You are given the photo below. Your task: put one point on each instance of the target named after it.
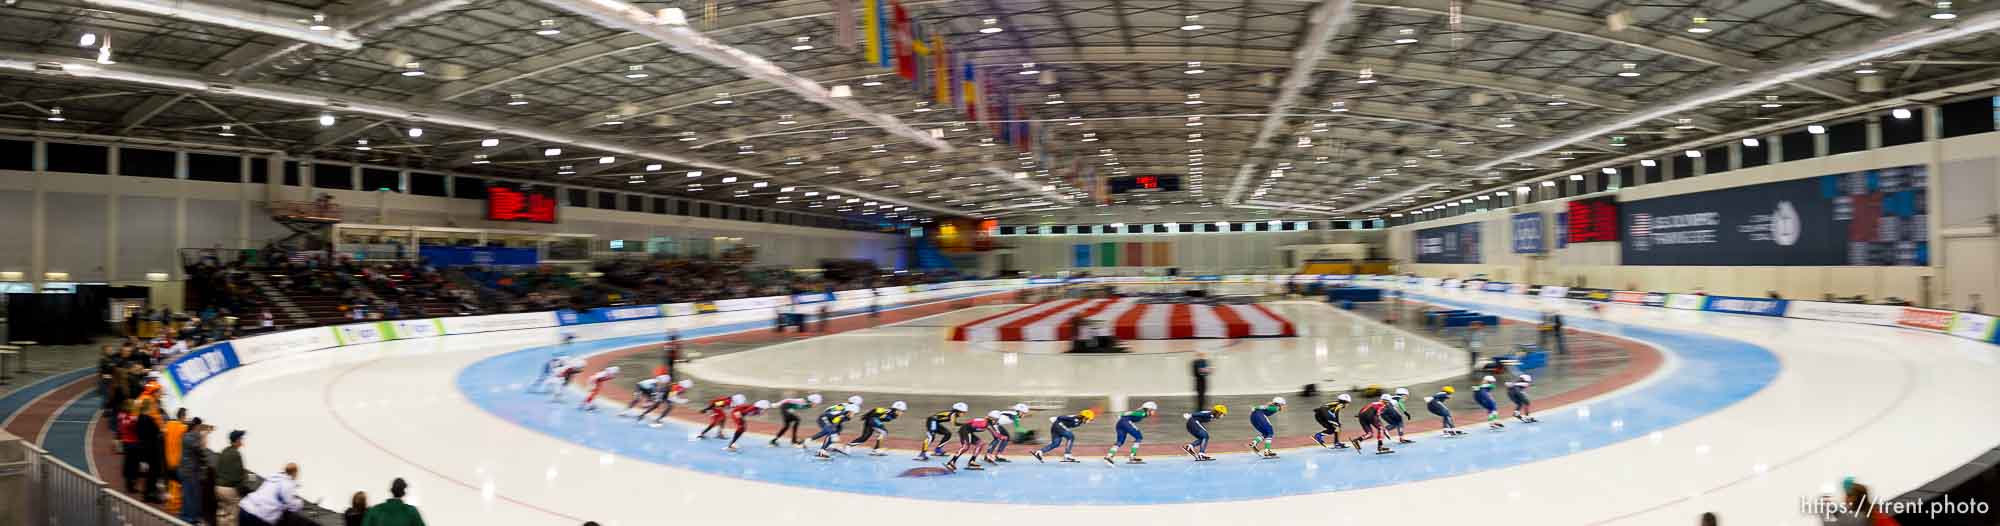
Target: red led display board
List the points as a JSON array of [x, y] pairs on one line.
[[1593, 220], [525, 203]]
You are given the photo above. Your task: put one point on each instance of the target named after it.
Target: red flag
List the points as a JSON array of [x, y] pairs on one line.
[[906, 58]]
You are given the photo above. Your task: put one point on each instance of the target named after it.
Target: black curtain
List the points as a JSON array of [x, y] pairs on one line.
[[52, 319]]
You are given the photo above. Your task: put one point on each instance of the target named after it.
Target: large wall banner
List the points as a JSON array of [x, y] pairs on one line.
[[1528, 233], [1873, 217], [1449, 244]]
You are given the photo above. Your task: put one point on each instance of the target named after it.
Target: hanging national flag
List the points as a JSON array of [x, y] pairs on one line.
[[871, 29], [920, 42], [1005, 112], [968, 79], [906, 60], [940, 71], [844, 34]]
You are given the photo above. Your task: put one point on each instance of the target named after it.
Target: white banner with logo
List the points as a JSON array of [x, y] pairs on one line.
[[361, 333], [678, 309], [1845, 312], [1975, 326], [1686, 301], [431, 328], [499, 322], [1552, 291], [260, 348]]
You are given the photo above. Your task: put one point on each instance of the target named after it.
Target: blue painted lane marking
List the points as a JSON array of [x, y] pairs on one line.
[[1713, 373]]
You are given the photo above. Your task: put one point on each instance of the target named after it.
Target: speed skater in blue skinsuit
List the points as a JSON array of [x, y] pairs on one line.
[[1260, 420], [1060, 435], [1197, 425], [1128, 426]]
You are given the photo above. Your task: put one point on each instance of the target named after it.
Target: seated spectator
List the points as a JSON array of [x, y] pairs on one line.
[[276, 502]]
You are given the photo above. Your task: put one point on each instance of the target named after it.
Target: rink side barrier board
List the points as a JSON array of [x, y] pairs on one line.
[[189, 371]]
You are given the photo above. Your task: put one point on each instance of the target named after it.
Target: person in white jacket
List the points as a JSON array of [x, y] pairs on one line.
[[278, 496]]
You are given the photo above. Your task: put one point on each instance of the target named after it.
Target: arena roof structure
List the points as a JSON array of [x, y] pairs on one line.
[[1331, 108]]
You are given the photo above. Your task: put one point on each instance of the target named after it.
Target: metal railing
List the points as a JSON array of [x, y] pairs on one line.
[[61, 495]]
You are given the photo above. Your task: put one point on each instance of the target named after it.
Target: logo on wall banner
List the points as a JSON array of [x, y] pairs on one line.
[[1686, 301], [1845, 312], [1551, 291], [196, 367], [1528, 238], [1974, 326], [1734, 305]]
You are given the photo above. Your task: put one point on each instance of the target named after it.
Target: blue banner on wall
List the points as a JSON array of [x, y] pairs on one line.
[[193, 368], [1528, 235], [608, 314], [1449, 244], [1757, 306], [1562, 229], [1873, 217], [1082, 256], [463, 256]]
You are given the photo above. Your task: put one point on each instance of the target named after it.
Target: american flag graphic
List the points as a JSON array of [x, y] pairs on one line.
[[1642, 231]]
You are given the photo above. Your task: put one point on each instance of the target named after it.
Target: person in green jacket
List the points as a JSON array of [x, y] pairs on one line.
[[394, 512]]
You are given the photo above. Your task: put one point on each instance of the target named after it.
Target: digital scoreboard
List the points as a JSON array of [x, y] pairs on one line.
[[1592, 220], [520, 202], [1145, 183]]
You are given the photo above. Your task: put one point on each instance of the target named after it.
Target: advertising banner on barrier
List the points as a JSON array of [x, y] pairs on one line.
[[407, 329], [1974, 326], [608, 314], [1926, 319], [766, 302], [1495, 286], [1872, 217], [1552, 291], [816, 297], [1518, 288], [1757, 306], [259, 348], [1686, 301], [678, 309], [1845, 312], [1528, 233], [499, 322], [193, 368], [1049, 281], [1627, 296], [1449, 244], [360, 333], [1451, 283]]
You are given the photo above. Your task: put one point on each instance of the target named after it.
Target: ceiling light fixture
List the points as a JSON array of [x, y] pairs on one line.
[[1409, 36], [1751, 142], [636, 71], [722, 99], [1865, 69], [1943, 11], [1194, 68], [88, 39], [362, 144], [1366, 76], [551, 152], [1649, 163], [803, 44], [415, 132], [226, 132], [325, 119], [1815, 129], [1692, 154], [488, 143], [1901, 113], [1628, 70], [1699, 26], [548, 28], [1192, 23], [990, 26], [413, 69], [517, 99], [319, 23]]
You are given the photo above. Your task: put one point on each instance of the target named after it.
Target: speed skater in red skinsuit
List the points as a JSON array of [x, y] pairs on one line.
[[718, 410], [597, 382], [740, 413]]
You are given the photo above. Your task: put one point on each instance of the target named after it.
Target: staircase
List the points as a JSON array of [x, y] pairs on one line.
[[288, 314]]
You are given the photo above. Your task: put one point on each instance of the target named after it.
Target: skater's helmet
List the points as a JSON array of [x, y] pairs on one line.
[[1087, 415], [1489, 379], [1020, 408], [1345, 398], [899, 406], [854, 400], [738, 399], [762, 404], [611, 370], [1220, 409], [1402, 392], [1526, 378], [1386, 398], [960, 407], [1150, 406], [813, 399], [685, 384], [1278, 400], [1450, 390]]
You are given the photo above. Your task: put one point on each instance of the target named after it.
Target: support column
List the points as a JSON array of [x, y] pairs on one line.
[[112, 165], [181, 164], [38, 225]]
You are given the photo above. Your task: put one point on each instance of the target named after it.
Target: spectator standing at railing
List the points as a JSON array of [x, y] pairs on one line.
[[230, 480], [394, 512], [357, 510], [275, 501], [193, 465], [173, 432]]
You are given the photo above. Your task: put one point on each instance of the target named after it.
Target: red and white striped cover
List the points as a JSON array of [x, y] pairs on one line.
[[1129, 320]]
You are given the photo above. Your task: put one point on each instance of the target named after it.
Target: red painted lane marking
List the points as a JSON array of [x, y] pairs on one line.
[[1233, 325], [1289, 329]]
